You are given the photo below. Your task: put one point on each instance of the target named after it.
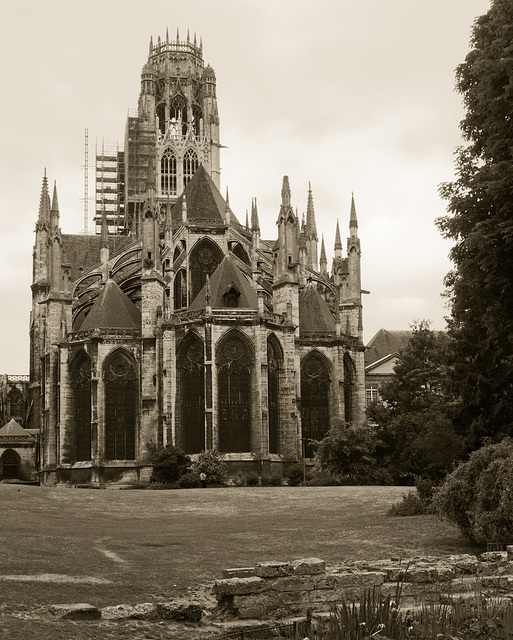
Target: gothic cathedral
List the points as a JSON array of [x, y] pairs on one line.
[[177, 323]]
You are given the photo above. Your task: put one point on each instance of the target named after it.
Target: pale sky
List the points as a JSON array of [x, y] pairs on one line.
[[350, 96]]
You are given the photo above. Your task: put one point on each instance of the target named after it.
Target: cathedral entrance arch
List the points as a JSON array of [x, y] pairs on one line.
[[234, 360], [191, 384], [205, 258], [315, 401], [10, 465], [121, 400], [81, 407]]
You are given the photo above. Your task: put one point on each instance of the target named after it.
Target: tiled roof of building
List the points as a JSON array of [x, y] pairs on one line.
[[82, 252], [227, 277], [14, 430], [113, 309], [203, 200], [314, 313], [385, 343]]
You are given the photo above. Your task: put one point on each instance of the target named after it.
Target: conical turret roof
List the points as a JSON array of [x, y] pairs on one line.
[[314, 313], [113, 309]]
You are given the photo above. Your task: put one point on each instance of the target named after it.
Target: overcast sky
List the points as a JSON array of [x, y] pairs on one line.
[[351, 96]]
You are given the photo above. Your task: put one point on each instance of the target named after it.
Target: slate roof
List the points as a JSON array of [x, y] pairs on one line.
[[82, 252], [14, 430], [314, 313], [386, 343], [204, 202], [226, 276], [112, 309]]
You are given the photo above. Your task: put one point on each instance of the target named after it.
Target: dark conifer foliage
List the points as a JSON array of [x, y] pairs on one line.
[[480, 222]]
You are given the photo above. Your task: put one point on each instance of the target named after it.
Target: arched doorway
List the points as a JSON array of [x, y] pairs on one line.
[[234, 361], [191, 373], [315, 402], [11, 467]]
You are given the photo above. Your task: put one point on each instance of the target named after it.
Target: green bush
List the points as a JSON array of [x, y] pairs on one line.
[[320, 478], [169, 464], [190, 480], [478, 495], [295, 475], [410, 505], [252, 479], [272, 480], [211, 464]]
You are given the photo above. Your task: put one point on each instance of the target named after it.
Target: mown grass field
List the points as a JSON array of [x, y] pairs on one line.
[[110, 547]]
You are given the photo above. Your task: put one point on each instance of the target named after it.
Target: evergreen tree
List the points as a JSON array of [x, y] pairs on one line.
[[480, 222]]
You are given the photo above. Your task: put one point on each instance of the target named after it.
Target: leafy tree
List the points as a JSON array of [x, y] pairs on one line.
[[347, 451], [415, 429], [212, 465], [169, 464], [480, 222], [478, 495]]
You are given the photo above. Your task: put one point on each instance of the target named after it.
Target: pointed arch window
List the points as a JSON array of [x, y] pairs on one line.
[[121, 397], [191, 372], [349, 377], [273, 379], [15, 404], [234, 394], [168, 175], [81, 408], [190, 164], [315, 412], [205, 258], [180, 290]]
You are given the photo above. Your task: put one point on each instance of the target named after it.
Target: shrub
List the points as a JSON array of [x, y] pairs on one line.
[[169, 464], [211, 464], [190, 480], [320, 478], [252, 479], [411, 505], [274, 480], [295, 475], [478, 495]]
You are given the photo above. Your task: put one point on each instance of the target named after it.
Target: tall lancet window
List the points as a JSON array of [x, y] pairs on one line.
[[234, 393], [191, 376], [81, 407], [190, 164], [273, 388], [168, 178], [120, 381], [315, 402]]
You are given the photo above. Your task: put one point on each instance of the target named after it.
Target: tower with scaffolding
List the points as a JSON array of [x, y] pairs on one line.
[[110, 188]]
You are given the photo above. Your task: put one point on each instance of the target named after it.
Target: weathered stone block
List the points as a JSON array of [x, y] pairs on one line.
[[464, 563], [77, 611], [494, 556], [292, 583], [240, 586], [239, 572], [358, 579], [256, 605], [143, 611], [179, 610], [308, 566], [273, 569], [324, 582]]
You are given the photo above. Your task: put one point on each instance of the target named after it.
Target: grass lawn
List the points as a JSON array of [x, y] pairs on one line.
[[111, 547]]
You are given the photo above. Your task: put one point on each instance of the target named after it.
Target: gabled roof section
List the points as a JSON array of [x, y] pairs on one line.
[[225, 279], [14, 430], [386, 343], [113, 309], [204, 202], [314, 313]]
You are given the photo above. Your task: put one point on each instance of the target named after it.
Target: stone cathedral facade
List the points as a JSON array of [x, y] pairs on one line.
[[188, 328]]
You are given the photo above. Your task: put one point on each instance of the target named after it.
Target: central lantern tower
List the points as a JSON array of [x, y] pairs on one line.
[[176, 128]]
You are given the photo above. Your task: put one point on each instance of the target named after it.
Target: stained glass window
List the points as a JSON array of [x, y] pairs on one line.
[[121, 398], [315, 407]]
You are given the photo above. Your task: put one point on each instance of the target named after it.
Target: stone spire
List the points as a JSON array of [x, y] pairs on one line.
[[323, 262], [255, 224], [44, 204], [338, 243], [54, 211]]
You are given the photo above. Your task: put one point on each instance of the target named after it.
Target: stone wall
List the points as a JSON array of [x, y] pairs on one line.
[[279, 589]]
